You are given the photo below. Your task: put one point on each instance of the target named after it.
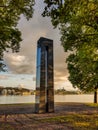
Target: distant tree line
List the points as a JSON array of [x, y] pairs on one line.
[[64, 92], [15, 91]]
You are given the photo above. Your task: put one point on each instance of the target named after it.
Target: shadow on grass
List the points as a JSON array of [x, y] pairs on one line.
[[67, 116]]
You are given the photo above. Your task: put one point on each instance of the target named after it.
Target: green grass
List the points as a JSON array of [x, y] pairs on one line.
[[72, 121], [76, 121], [6, 127], [92, 104]]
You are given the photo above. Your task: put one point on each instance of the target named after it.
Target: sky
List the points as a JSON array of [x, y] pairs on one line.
[[22, 66]]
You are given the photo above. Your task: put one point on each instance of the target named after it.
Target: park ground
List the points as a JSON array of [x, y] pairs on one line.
[[67, 116]]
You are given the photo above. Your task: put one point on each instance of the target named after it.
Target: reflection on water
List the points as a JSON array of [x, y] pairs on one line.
[[17, 99], [58, 98], [83, 98]]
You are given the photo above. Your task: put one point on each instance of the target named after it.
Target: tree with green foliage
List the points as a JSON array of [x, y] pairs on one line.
[[78, 23], [83, 69], [10, 13]]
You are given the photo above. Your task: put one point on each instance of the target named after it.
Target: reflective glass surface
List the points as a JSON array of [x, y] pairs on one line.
[[38, 67], [38, 56]]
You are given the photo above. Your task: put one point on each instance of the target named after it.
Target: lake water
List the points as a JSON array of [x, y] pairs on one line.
[[83, 98]]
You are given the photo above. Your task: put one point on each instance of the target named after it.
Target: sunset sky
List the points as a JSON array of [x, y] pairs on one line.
[[22, 66]]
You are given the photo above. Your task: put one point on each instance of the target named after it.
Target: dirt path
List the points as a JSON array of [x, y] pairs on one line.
[[33, 121]]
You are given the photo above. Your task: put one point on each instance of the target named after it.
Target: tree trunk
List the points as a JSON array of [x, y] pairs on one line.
[[95, 95]]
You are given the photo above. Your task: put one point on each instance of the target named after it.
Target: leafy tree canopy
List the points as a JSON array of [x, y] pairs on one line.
[[83, 68], [10, 12], [78, 23]]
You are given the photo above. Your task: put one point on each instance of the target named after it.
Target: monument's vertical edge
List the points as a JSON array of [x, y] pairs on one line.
[[44, 76]]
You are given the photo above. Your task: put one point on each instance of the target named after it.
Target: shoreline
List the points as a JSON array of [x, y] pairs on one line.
[[29, 108]]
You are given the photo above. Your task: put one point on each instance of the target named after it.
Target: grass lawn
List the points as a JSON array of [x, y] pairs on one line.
[[92, 104], [76, 121], [68, 117]]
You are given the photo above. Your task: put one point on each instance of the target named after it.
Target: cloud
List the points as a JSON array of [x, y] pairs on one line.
[[19, 63], [24, 62], [17, 60]]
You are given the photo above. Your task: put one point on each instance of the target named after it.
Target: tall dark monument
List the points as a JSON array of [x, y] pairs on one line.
[[44, 77]]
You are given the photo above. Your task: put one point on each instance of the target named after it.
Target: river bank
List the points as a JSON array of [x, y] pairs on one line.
[[67, 116]]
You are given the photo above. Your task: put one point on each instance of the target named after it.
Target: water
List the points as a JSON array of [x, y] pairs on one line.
[[83, 98], [17, 99]]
